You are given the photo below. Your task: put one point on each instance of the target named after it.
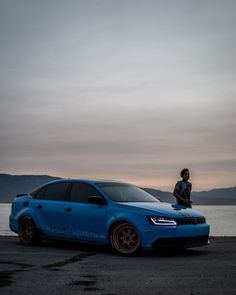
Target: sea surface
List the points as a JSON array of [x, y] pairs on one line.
[[222, 219]]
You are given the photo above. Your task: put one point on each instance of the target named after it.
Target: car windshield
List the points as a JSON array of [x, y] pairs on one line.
[[120, 192]]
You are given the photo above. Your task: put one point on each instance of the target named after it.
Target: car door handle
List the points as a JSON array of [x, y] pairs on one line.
[[68, 209], [39, 207]]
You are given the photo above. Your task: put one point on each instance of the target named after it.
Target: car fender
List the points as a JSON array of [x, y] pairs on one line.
[[123, 217]]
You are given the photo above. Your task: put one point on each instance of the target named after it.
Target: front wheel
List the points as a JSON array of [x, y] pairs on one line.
[[125, 239], [28, 233]]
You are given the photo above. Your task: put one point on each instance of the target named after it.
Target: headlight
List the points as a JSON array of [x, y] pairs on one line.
[[161, 221]]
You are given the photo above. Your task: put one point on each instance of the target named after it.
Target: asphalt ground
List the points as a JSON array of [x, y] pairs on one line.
[[72, 268]]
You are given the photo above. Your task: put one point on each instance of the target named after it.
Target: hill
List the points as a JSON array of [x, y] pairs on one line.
[[223, 196], [15, 184]]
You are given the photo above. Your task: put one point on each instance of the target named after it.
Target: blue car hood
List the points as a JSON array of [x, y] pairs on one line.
[[164, 209]]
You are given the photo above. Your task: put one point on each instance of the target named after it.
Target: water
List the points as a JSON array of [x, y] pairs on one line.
[[222, 219], [4, 220]]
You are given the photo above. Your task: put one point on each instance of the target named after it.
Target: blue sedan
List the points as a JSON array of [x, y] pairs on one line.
[[107, 212]]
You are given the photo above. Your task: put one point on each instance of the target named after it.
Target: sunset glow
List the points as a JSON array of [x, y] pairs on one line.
[[128, 90]]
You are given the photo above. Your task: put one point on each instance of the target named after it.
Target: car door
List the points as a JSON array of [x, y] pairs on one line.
[[87, 220], [50, 210]]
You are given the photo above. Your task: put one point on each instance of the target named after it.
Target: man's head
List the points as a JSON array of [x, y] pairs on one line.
[[185, 174]]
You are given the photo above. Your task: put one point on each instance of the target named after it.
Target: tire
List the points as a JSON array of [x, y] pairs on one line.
[[28, 233], [125, 239]]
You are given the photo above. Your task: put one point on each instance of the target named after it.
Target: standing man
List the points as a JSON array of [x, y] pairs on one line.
[[183, 188]]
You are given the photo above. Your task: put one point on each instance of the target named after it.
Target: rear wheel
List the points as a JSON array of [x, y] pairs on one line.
[[28, 233], [125, 239]]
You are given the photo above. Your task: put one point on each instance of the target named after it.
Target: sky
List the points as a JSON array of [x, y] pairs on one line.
[[112, 89]]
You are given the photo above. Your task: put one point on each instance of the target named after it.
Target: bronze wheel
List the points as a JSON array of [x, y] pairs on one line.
[[125, 238], [28, 233]]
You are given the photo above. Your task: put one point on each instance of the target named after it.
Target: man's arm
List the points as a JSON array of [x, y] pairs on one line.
[[177, 194]]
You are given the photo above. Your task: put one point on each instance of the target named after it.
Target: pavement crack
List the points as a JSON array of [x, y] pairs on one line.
[[22, 265], [82, 283], [73, 259]]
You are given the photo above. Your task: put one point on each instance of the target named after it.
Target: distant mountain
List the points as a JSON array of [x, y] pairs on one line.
[[10, 185], [223, 196]]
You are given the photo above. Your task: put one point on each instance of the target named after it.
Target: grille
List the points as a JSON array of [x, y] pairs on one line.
[[190, 220]]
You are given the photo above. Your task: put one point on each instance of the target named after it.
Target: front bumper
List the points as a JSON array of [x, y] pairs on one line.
[[181, 242], [185, 235]]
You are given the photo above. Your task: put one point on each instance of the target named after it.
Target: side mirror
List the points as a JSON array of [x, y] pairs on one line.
[[97, 200]]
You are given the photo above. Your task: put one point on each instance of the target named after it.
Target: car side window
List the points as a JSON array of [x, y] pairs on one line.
[[39, 194], [56, 191], [81, 191]]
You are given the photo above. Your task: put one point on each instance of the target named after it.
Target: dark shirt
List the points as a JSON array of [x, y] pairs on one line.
[[184, 188]]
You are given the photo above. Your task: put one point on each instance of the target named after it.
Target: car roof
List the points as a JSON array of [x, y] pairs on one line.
[[91, 181], [88, 181]]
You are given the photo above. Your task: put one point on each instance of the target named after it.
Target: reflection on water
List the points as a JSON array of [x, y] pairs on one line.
[[222, 219]]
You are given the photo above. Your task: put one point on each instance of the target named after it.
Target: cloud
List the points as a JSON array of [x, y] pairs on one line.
[[120, 89]]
